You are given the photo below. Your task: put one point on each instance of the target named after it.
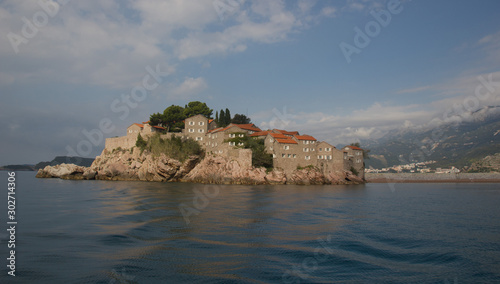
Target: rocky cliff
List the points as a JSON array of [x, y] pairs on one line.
[[134, 165]]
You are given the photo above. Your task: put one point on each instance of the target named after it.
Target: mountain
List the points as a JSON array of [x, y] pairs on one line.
[[85, 162], [467, 139], [79, 161]]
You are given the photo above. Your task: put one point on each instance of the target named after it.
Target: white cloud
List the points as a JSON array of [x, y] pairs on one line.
[[190, 87]]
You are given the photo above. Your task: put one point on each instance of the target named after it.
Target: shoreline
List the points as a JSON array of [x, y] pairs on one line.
[[432, 178]]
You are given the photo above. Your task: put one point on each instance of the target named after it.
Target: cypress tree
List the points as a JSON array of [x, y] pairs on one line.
[[228, 117]]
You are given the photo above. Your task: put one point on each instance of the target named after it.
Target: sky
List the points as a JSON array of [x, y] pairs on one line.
[[73, 73]]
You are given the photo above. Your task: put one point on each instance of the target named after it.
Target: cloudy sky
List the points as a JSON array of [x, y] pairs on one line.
[[74, 72]]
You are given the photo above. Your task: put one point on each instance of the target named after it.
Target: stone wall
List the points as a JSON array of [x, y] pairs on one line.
[[124, 142]]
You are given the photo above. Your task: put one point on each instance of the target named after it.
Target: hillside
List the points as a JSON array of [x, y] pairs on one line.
[[453, 144]]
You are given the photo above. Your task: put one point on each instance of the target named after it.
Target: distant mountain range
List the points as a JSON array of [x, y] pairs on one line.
[[86, 162], [468, 138]]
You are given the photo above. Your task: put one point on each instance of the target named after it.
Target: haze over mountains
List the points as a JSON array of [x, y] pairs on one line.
[[459, 140]]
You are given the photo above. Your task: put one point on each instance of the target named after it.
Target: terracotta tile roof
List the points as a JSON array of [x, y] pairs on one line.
[[286, 141], [354, 147], [210, 120], [279, 135], [287, 132], [159, 127], [147, 122], [138, 124], [260, 133], [249, 126], [305, 137]]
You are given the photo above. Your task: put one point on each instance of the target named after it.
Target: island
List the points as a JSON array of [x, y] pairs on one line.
[[205, 152]]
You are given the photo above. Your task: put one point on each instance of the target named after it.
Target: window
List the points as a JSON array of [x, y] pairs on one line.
[[358, 161], [327, 149], [306, 149], [308, 157], [274, 155], [312, 149], [289, 155], [312, 142], [320, 157], [294, 155], [130, 131], [329, 157], [232, 143], [282, 155], [216, 144], [271, 140], [321, 149], [232, 135], [306, 142], [240, 144], [241, 135], [220, 151], [191, 123], [209, 135], [201, 123], [201, 130], [358, 153], [271, 148], [286, 147], [199, 138], [191, 130]]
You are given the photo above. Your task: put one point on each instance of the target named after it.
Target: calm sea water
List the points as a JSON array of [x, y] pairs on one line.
[[134, 232]]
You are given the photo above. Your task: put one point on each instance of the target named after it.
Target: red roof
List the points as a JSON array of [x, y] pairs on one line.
[[354, 147], [305, 137], [249, 126], [140, 125], [147, 122], [279, 135], [287, 132], [159, 127], [260, 133], [210, 120], [286, 141]]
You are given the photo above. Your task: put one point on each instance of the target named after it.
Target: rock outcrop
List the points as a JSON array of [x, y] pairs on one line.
[[134, 165]]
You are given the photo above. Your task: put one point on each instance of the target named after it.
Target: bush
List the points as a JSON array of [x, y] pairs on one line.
[[354, 171], [175, 147]]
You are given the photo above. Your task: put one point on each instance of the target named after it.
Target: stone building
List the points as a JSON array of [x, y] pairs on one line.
[[290, 150]]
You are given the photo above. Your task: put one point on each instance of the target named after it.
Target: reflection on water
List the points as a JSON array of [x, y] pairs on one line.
[[135, 232]]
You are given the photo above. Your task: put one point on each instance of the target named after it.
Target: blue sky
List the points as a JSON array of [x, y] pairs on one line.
[[280, 62]]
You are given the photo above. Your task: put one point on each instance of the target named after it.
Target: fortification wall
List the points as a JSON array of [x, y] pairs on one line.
[[124, 142], [242, 156]]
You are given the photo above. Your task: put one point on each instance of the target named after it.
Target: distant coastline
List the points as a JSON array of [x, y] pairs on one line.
[[432, 178]]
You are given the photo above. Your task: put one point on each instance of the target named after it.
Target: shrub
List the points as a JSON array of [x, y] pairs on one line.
[[175, 147]]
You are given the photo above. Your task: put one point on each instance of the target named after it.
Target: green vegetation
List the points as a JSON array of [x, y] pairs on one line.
[[260, 158], [173, 116], [140, 143], [354, 171], [176, 147], [309, 167], [223, 118]]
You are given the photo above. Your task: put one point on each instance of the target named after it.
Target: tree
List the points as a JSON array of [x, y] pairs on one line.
[[197, 107], [241, 119], [217, 118], [156, 119], [228, 117], [365, 151], [173, 117]]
